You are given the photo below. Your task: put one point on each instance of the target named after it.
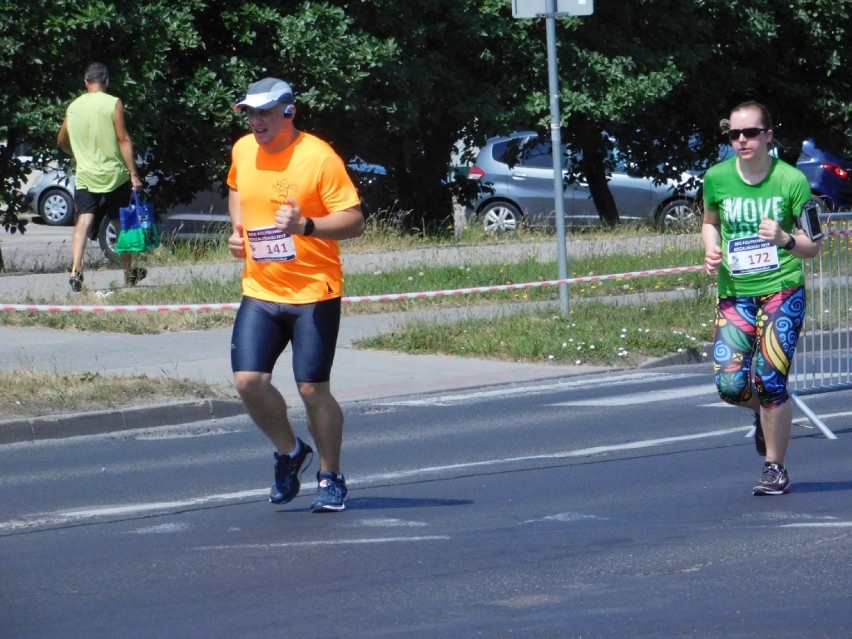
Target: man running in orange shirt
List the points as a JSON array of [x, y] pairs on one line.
[[290, 202]]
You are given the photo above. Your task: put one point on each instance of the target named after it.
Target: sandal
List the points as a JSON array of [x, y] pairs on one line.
[[137, 274], [75, 281]]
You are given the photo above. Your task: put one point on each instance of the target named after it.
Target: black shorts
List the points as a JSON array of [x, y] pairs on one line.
[[262, 331], [101, 204]]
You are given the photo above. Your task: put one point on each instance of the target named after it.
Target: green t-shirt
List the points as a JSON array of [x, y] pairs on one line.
[[99, 166], [750, 266]]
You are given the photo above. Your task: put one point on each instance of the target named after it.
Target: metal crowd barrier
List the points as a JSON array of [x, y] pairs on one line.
[[823, 361]]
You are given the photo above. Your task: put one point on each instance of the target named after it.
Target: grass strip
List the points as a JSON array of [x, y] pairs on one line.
[[594, 333], [29, 392]]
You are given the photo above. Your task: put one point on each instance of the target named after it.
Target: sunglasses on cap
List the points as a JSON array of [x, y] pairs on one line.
[[750, 133]]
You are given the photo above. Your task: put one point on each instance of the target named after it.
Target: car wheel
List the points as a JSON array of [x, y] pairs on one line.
[[56, 207], [107, 237], [500, 217], [680, 216]]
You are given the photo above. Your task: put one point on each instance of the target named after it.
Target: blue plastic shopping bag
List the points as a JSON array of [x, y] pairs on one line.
[[138, 231]]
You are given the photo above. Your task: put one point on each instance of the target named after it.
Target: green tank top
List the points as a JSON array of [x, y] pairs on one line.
[[99, 166]]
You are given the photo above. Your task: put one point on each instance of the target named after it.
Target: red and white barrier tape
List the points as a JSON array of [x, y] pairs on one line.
[[161, 308]]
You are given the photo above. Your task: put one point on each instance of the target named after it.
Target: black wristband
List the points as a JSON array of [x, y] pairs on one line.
[[309, 227], [791, 244]]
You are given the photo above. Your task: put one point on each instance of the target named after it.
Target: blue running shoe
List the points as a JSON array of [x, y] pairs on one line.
[[331, 492], [288, 471]]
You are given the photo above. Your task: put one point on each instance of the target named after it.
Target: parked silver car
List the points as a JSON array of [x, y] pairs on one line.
[[515, 177], [52, 196]]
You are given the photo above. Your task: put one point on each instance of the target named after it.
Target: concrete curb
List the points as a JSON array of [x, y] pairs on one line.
[[689, 356], [33, 429]]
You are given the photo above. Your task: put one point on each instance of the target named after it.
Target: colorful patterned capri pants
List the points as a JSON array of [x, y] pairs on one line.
[[763, 330]]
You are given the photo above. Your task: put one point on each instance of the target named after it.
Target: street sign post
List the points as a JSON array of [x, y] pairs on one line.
[[538, 8], [549, 9]]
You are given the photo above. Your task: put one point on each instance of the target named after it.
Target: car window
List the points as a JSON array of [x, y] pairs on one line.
[[499, 152], [537, 156]]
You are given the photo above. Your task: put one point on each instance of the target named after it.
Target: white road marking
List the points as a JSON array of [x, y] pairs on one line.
[[820, 524], [582, 452], [564, 518], [329, 542], [472, 396], [78, 516], [382, 522], [670, 394], [158, 530], [128, 510]]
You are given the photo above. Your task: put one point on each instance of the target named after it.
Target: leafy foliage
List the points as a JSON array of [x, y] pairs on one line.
[[399, 83]]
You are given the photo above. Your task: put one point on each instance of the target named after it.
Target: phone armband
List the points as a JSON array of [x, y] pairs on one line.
[[809, 221]]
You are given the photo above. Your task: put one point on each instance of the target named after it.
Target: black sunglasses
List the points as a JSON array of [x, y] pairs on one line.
[[750, 133]]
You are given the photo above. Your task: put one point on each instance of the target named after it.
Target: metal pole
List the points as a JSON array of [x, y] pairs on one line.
[[556, 139]]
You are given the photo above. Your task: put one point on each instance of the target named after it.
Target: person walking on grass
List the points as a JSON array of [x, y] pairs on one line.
[[752, 204], [290, 202], [94, 134]]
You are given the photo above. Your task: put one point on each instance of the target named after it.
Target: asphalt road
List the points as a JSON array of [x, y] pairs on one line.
[[43, 247], [609, 505]]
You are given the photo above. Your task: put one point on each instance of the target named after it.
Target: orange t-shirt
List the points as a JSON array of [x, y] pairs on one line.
[[280, 267]]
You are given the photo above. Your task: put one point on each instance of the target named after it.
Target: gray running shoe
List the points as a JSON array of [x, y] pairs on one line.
[[288, 473], [773, 481]]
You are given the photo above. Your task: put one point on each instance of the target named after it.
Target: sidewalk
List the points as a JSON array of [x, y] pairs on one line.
[[358, 375]]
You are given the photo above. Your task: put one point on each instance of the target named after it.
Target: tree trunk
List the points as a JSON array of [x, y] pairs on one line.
[[594, 168]]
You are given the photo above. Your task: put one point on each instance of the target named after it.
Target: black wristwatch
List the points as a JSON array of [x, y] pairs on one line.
[[790, 245], [309, 227]]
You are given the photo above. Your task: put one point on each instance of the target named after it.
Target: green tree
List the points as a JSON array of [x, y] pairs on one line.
[[399, 83], [660, 74]]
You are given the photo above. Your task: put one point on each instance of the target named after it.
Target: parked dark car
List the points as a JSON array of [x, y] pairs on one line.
[[830, 177], [515, 174]]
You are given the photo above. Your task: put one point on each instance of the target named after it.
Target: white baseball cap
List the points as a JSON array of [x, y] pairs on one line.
[[265, 94]]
